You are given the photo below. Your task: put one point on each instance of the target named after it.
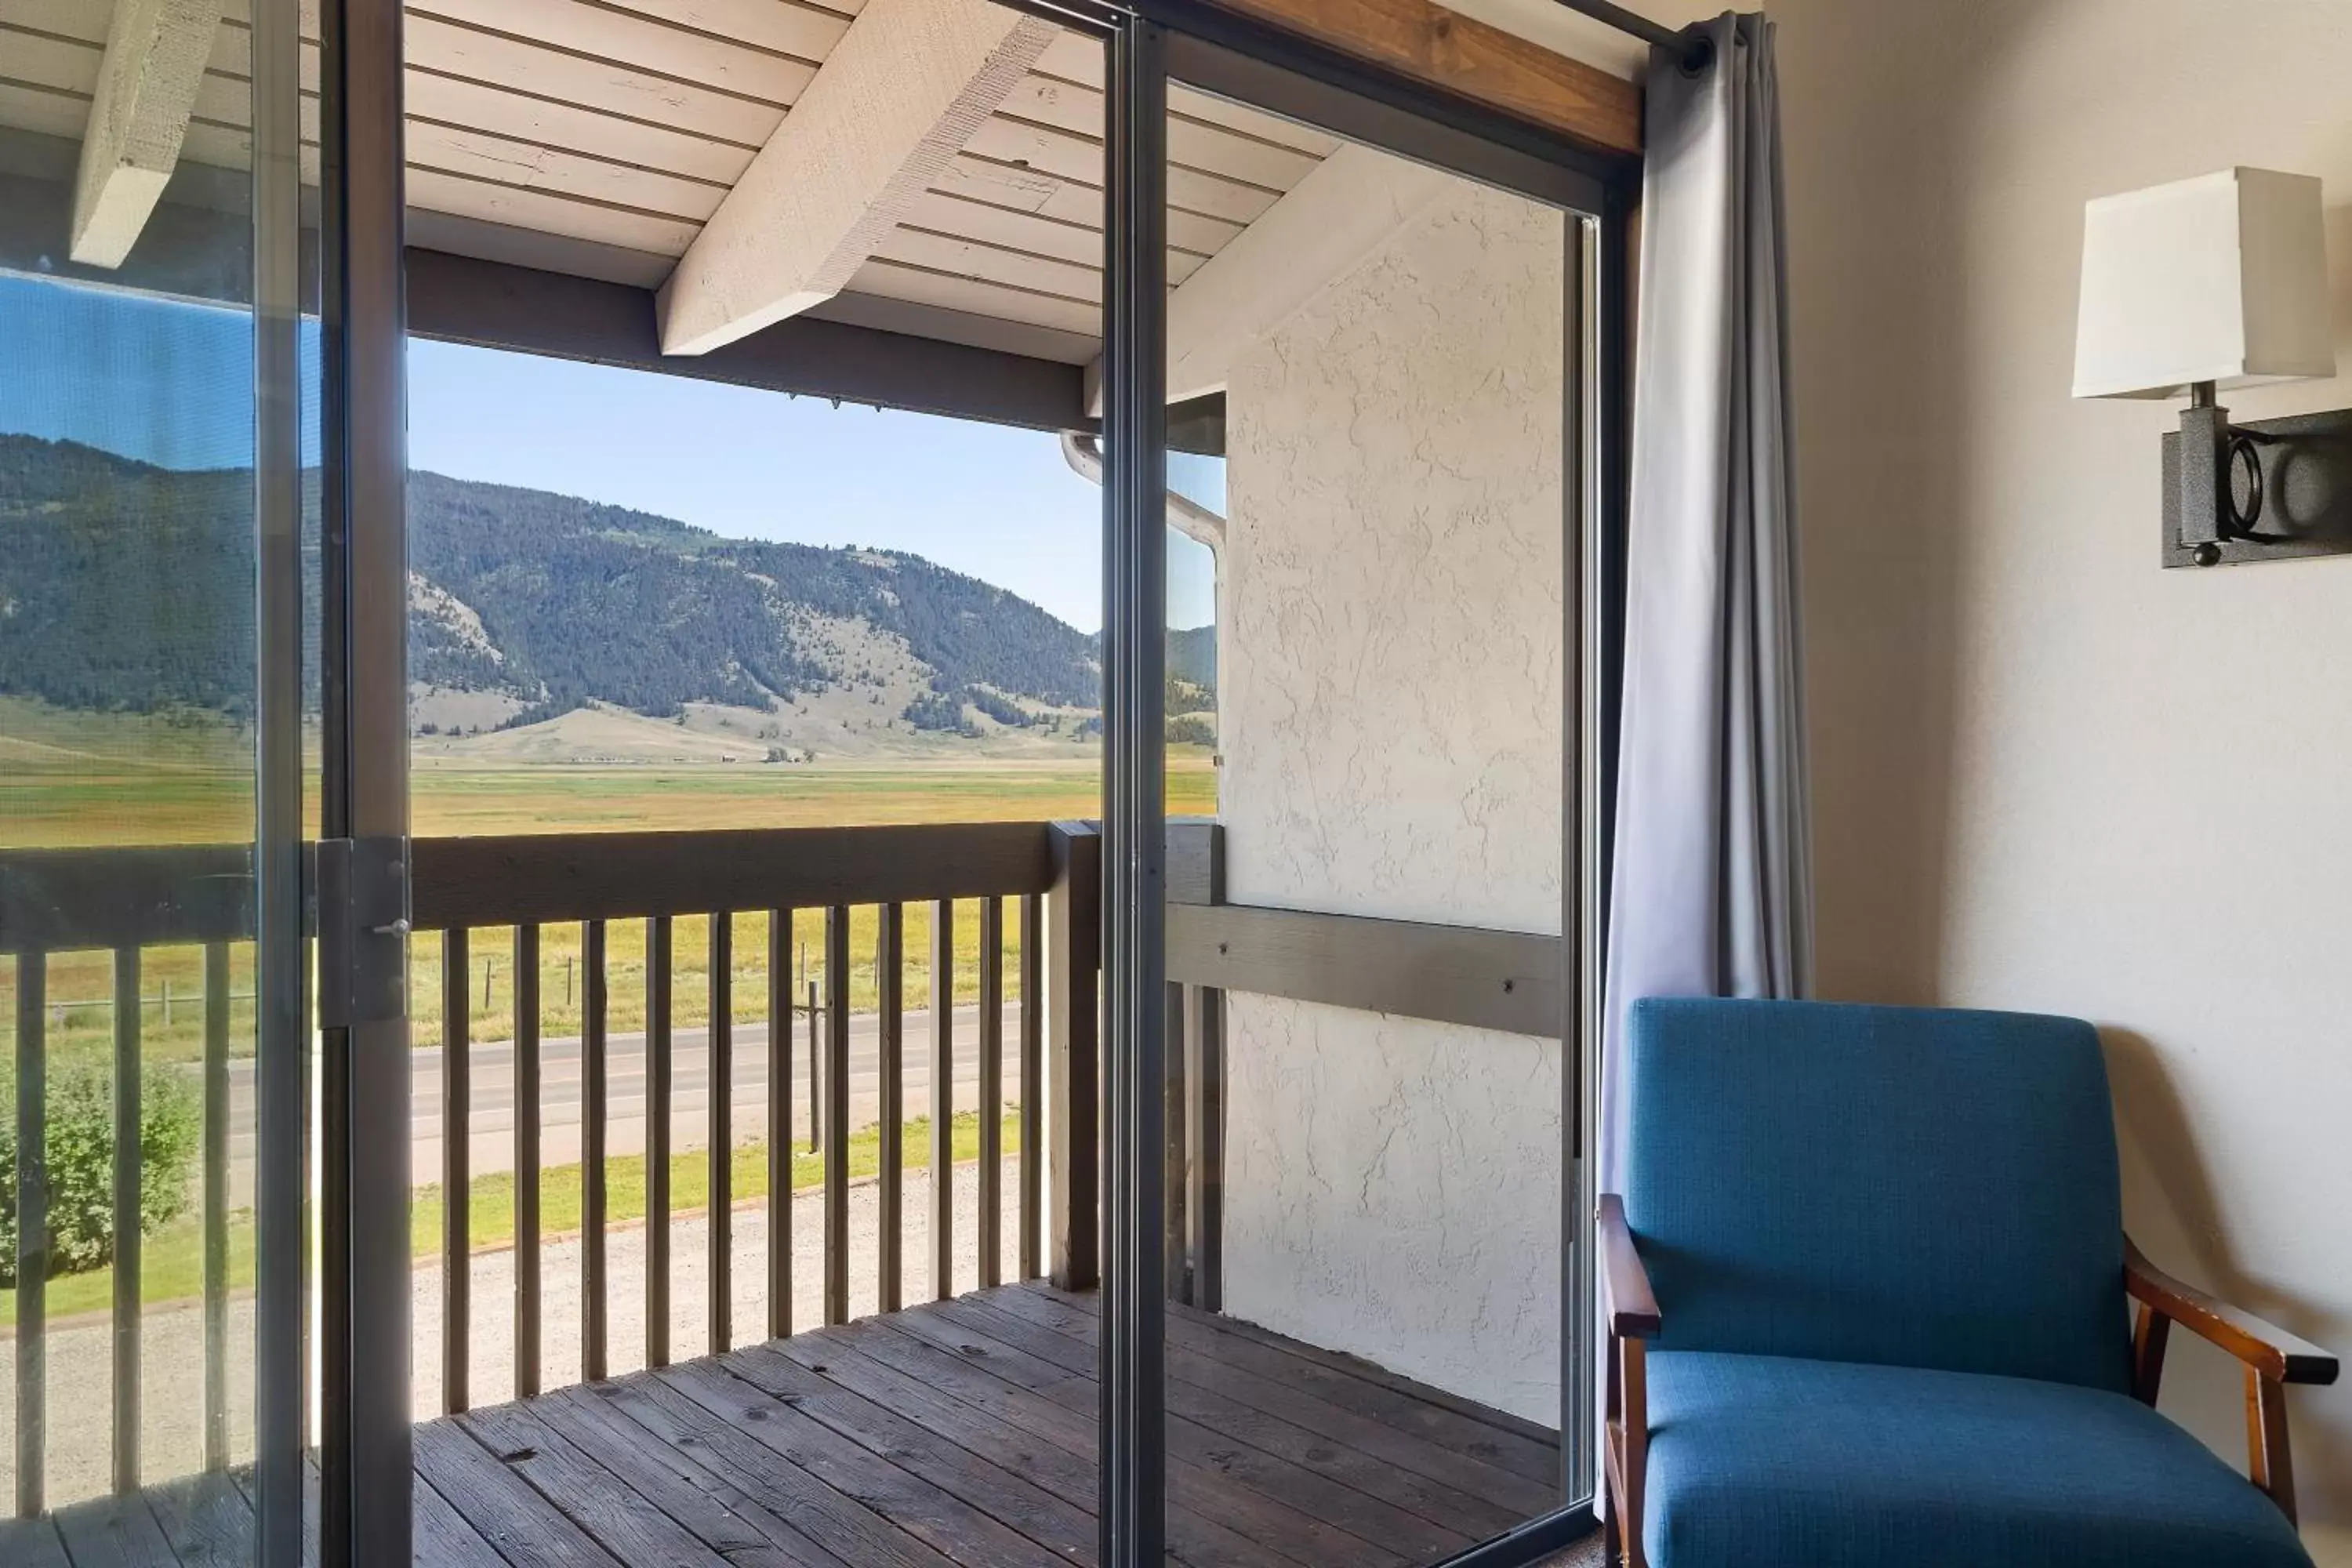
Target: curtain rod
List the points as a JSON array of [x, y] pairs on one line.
[[1694, 46]]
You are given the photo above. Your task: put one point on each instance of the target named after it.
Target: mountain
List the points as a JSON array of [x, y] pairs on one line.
[[125, 585], [1193, 655]]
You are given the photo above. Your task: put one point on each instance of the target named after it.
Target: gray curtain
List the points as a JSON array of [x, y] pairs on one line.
[[1711, 893]]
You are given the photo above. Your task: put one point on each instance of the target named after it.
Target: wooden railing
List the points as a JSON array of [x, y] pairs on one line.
[[1040, 880], [1037, 880]]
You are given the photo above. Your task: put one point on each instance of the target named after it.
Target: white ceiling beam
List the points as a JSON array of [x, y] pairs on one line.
[[156, 52], [1344, 211], [897, 98]]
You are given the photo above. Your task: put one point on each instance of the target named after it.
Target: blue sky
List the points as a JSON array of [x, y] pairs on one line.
[[169, 384]]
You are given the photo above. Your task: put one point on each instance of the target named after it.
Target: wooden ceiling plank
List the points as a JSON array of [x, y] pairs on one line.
[[493, 203], [616, 89], [1016, 230], [1069, 200], [895, 281], [636, 42], [1021, 143], [964, 258], [479, 154], [1077, 108], [805, 31], [454, 100], [51, 111], [895, 101]]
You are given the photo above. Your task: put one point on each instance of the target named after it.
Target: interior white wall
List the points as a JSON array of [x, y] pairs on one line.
[[1391, 699], [2049, 774]]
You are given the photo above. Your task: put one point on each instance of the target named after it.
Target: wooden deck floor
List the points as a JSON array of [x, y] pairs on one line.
[[958, 1433]]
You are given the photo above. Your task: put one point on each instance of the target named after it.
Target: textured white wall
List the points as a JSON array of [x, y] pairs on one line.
[[2047, 774], [1392, 696]]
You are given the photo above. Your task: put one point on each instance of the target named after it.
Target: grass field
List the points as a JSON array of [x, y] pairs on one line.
[[143, 780]]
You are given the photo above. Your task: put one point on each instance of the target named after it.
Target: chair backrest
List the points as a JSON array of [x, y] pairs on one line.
[[1908, 1186]]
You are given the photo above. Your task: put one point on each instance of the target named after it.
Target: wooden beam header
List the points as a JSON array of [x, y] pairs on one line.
[[1468, 58]]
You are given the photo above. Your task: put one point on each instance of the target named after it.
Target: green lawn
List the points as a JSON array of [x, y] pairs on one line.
[[142, 780], [172, 1266]]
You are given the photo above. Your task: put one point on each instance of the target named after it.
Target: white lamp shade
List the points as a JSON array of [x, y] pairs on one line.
[[2219, 279]]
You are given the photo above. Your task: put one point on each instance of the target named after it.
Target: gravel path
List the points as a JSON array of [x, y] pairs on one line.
[[80, 1380]]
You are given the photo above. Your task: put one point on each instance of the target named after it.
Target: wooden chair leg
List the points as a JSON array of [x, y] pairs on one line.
[[2268, 1464], [2150, 1332], [1633, 1388]]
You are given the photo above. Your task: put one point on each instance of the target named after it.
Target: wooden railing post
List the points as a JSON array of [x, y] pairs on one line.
[[1074, 1057]]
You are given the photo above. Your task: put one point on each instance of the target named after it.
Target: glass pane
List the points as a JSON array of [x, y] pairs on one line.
[[717, 1155], [131, 707], [1369, 364]]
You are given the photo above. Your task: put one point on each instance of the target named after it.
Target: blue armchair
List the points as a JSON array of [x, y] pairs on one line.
[[1870, 1305]]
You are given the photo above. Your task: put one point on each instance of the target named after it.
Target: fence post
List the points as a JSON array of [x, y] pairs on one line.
[[1074, 1059]]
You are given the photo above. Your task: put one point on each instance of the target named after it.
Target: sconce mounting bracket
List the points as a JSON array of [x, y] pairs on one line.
[[2303, 505]]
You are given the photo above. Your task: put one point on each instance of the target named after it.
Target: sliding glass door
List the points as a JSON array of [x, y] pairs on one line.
[[1354, 568], [159, 726]]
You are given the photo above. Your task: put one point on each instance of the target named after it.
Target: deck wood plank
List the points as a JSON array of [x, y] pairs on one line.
[[598, 1500], [440, 1535], [1307, 1511], [1380, 1397], [724, 1516], [1461, 1516], [950, 1526], [113, 1532], [527, 1529], [1225, 1481], [31, 1544], [840, 1524], [1205, 1387], [1063, 1460], [971, 1476], [206, 1520]]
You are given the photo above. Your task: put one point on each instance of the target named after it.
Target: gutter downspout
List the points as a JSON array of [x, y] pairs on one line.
[[1083, 452]]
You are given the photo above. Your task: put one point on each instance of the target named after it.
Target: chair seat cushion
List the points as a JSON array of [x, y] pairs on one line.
[[1773, 1462]]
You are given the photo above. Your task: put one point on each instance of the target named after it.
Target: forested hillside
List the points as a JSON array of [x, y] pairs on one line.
[[128, 586]]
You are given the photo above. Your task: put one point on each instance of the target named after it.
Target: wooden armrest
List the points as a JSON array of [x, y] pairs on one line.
[[2269, 1350], [1625, 1294]]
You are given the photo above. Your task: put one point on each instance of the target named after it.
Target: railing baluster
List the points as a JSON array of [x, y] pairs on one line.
[[526, 1161], [942, 1098], [591, 1151], [837, 1115], [1174, 1235], [1076, 1156], [217, 1015], [457, 1162], [1204, 1125], [991, 1238], [718, 1056], [126, 1219], [779, 1122], [32, 1227], [889, 966], [657, 1068], [1032, 1084]]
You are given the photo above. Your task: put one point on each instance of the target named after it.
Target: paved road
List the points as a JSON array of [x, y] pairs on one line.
[[492, 1102]]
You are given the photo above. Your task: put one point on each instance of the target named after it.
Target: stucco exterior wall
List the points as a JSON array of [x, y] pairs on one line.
[[1391, 708]]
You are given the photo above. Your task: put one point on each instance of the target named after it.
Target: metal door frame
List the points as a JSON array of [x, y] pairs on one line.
[[361, 892], [1217, 51]]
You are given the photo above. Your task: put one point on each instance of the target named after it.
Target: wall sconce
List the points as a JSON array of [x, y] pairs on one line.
[[2202, 285]]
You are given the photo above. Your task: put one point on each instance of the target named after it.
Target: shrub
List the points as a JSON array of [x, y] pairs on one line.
[[80, 1140]]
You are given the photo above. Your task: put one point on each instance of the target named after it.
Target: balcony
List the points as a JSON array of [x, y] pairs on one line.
[[856, 1405]]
